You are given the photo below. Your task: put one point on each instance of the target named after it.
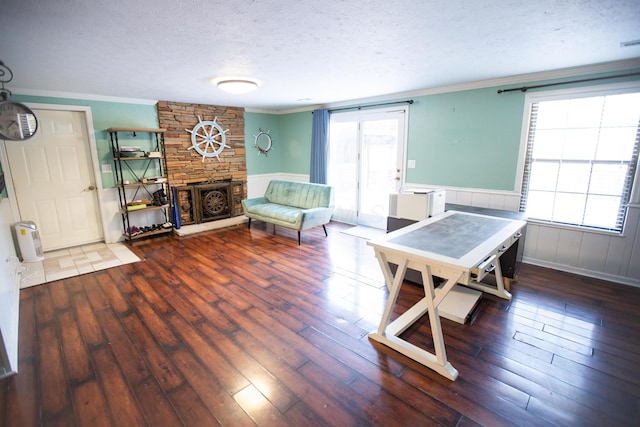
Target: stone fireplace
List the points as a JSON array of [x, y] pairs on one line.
[[212, 189]]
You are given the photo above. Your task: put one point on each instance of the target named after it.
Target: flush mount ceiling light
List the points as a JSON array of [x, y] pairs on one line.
[[237, 85]]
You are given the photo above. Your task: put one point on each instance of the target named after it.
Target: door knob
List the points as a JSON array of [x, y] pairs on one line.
[[90, 188]]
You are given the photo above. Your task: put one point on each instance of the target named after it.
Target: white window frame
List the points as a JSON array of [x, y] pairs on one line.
[[561, 94]]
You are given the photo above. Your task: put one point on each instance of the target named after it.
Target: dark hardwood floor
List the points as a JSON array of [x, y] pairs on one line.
[[243, 327]]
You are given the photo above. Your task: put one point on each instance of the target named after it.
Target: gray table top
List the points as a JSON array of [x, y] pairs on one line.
[[452, 236]]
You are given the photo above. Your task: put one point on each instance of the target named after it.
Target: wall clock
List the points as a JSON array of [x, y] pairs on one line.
[[263, 142], [208, 138], [17, 121]]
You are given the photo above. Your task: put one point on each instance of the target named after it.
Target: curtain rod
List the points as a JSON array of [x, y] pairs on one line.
[[593, 79], [360, 107]]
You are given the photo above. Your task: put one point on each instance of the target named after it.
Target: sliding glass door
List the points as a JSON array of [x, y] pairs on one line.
[[366, 157]]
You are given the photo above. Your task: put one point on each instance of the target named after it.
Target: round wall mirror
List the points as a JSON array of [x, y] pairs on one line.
[[17, 121]]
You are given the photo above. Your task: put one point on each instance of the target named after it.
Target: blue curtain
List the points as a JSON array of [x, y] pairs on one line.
[[320, 146]]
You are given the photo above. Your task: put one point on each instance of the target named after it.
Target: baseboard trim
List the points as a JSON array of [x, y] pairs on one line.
[[583, 272], [208, 226]]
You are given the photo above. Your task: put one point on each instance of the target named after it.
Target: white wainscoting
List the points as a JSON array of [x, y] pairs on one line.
[[257, 184], [10, 269], [602, 255], [111, 217], [484, 199], [596, 254]]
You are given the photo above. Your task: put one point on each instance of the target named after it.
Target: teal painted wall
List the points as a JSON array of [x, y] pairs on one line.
[[465, 139], [295, 131], [291, 135], [106, 115], [261, 164], [468, 139], [113, 114], [471, 138], [457, 139]]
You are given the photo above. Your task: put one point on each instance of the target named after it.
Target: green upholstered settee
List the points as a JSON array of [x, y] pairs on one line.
[[292, 204]]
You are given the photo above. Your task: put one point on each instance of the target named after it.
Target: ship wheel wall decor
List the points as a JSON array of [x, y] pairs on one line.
[[208, 138], [263, 142]]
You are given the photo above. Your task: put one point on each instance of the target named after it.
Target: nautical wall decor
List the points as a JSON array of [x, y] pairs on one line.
[[263, 142], [208, 138]]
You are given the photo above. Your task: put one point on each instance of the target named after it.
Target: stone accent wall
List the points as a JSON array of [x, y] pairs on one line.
[[185, 167]]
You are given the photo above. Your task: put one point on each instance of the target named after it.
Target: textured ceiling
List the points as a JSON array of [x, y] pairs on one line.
[[320, 51]]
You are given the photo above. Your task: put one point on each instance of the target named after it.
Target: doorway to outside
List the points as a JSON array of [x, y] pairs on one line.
[[366, 163], [54, 181]]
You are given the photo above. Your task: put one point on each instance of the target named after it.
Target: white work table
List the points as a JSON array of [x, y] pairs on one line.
[[459, 247]]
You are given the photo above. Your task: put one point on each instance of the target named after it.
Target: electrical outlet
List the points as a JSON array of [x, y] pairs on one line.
[[106, 168], [411, 164]]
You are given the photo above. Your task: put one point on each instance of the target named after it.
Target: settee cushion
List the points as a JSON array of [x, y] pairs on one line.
[[276, 211]]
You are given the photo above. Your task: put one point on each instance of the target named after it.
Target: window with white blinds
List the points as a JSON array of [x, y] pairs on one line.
[[581, 157]]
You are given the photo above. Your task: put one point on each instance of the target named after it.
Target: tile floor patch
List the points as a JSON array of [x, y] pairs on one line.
[[81, 260], [93, 256], [65, 263]]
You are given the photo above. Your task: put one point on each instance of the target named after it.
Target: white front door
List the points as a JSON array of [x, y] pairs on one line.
[[54, 181], [366, 155]]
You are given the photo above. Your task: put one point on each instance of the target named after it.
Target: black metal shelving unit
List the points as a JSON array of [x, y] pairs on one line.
[[139, 184]]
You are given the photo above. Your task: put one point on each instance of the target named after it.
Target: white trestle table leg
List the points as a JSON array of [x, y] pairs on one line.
[[387, 333]]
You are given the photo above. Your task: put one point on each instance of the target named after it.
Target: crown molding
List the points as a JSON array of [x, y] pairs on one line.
[[285, 111], [261, 110], [607, 67], [83, 96]]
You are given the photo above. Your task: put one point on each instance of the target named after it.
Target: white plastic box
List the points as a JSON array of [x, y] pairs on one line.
[[29, 242], [417, 205]]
